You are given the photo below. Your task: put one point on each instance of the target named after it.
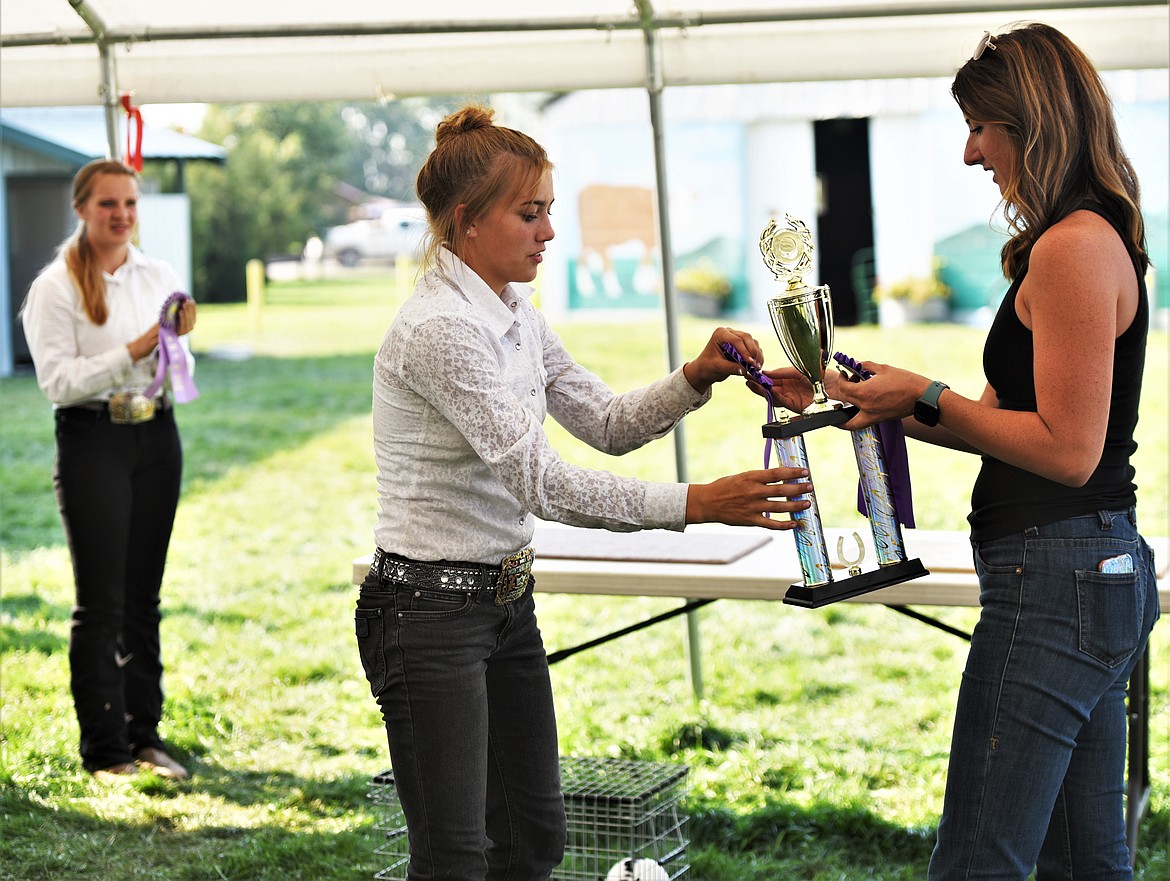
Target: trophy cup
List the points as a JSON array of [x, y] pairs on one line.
[[802, 317]]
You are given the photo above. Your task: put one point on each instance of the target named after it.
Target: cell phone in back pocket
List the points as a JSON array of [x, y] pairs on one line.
[[1120, 563]]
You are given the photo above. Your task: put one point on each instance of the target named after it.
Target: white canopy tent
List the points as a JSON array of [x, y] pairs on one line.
[[77, 52], [67, 52], [264, 50]]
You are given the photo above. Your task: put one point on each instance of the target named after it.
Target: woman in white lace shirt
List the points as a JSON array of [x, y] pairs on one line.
[[445, 622]]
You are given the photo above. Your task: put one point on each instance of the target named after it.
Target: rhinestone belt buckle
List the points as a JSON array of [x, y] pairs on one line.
[[515, 570], [131, 408]]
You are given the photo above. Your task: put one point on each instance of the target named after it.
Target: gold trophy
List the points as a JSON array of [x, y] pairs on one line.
[[802, 317]]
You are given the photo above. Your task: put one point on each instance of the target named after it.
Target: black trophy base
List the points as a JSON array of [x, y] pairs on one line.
[[847, 588], [800, 424]]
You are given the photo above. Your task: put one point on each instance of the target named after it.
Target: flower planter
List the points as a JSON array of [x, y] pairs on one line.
[[895, 313], [700, 305]]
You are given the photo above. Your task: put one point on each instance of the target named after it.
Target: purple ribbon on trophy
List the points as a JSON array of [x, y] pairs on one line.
[[172, 359], [757, 376], [893, 437]]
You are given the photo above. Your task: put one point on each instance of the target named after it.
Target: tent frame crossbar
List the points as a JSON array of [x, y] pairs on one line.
[[641, 22]]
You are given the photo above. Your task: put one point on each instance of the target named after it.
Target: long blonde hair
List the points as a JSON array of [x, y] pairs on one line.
[[1059, 120], [474, 163], [80, 259]]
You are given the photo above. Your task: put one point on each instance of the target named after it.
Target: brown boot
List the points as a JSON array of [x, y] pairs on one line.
[[155, 760]]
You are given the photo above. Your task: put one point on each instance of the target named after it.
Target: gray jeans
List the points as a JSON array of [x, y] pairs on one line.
[[464, 689]]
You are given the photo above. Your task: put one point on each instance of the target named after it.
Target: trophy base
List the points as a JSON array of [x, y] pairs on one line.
[[847, 588], [799, 424]]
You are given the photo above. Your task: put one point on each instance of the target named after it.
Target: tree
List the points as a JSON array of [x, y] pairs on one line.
[[390, 142], [275, 189], [284, 162]]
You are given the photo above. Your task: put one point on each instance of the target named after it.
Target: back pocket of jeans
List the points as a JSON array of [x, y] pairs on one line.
[[1110, 612]]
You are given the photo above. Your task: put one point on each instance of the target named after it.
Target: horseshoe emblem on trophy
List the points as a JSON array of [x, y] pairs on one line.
[[853, 565]]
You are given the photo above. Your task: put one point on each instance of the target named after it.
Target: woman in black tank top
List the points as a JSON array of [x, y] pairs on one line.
[[1067, 584]]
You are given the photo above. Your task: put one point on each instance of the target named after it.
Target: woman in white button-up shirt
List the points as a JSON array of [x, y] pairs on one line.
[[91, 320], [445, 622]]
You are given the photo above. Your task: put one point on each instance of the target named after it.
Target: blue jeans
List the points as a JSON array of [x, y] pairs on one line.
[[464, 689], [1037, 764]]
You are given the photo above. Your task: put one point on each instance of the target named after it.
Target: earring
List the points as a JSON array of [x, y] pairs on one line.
[[469, 230]]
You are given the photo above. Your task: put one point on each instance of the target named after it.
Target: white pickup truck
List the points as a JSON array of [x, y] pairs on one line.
[[398, 231]]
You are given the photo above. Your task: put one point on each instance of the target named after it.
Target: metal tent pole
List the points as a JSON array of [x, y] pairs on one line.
[[669, 294], [109, 86]]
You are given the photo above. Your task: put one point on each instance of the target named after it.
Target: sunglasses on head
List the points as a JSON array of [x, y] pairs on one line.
[[987, 41]]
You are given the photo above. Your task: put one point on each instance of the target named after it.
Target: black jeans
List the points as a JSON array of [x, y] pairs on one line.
[[117, 489], [464, 689]]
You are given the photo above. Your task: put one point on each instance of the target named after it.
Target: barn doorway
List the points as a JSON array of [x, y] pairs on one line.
[[39, 218], [845, 217]]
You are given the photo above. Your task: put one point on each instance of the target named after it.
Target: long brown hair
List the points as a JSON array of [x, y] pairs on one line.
[[1046, 94], [474, 163], [80, 259]]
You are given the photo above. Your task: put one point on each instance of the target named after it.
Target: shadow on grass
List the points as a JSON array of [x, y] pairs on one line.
[[21, 629], [281, 789], [49, 838], [855, 838], [247, 410], [154, 840], [783, 830]]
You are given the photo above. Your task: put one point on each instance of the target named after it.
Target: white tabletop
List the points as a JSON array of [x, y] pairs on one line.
[[764, 573]]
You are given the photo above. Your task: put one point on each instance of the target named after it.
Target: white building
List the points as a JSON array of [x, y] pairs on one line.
[[874, 168]]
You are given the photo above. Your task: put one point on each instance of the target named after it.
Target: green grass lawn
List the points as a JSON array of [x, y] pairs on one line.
[[818, 752]]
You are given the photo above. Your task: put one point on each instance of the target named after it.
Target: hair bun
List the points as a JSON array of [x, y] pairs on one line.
[[466, 119]]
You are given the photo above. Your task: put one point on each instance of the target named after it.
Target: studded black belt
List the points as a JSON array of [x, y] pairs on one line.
[[509, 580]]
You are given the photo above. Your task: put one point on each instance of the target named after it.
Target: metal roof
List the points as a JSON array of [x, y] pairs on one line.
[[78, 134]]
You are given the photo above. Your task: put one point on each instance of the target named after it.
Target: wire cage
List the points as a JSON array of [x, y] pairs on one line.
[[619, 810], [616, 810], [393, 849]]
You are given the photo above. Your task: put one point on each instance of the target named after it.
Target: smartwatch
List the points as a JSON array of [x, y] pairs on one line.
[[926, 407]]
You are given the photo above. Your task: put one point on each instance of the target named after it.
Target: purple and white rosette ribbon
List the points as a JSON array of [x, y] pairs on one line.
[[172, 358], [893, 446]]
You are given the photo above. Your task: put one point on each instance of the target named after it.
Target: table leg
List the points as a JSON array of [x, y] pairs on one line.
[[695, 654]]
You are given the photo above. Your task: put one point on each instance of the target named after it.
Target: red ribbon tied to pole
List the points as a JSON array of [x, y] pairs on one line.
[[133, 115]]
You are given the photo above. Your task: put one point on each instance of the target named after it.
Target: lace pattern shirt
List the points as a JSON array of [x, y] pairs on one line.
[[462, 384]]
